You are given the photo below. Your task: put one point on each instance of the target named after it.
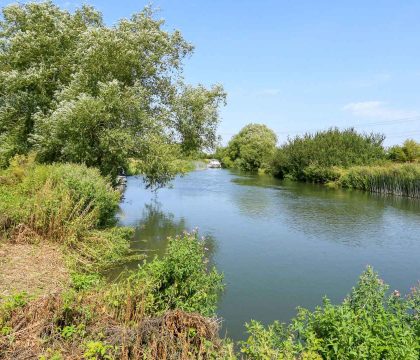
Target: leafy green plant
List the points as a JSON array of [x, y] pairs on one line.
[[97, 350], [70, 331], [179, 280], [369, 324], [9, 304], [85, 281]]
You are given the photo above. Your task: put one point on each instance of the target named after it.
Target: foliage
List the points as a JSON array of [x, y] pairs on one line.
[[324, 150], [367, 325], [97, 350], [55, 201], [78, 91], [319, 174], [408, 152], [198, 118], [179, 280], [267, 343], [397, 179], [176, 165], [251, 149], [66, 203], [7, 305]]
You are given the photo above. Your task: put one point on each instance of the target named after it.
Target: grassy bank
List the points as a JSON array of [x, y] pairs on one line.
[[162, 311], [396, 179], [166, 309], [69, 205], [64, 215]]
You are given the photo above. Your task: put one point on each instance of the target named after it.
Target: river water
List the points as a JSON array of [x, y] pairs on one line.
[[280, 244]]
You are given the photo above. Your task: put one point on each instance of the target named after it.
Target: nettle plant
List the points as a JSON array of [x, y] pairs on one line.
[[369, 324]]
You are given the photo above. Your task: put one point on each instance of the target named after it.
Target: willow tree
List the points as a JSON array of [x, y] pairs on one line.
[[75, 90], [252, 148]]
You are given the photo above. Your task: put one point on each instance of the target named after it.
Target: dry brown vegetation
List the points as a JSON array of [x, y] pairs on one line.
[[31, 268], [37, 330]]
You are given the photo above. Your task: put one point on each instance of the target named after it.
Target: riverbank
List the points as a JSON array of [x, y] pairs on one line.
[[338, 158], [58, 238], [166, 307]]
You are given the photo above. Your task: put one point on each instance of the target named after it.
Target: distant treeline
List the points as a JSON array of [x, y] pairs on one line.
[[335, 157]]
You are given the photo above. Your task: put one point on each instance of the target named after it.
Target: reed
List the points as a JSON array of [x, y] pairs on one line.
[[395, 179]]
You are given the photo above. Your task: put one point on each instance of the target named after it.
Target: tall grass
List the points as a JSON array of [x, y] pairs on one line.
[[55, 201], [396, 179], [68, 204]]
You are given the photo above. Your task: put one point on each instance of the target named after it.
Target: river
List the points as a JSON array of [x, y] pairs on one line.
[[280, 244]]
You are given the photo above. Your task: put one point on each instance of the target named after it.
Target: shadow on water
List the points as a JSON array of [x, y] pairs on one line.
[[153, 232]]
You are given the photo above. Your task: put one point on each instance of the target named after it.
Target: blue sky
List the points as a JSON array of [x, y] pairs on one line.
[[300, 65]]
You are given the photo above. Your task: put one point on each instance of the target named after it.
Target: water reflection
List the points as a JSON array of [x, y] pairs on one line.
[[154, 229], [348, 217], [280, 244]]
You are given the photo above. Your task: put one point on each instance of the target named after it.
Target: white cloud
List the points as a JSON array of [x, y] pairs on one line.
[[378, 110]]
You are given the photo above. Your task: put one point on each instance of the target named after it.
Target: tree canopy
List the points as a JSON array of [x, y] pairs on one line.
[[251, 149], [75, 90], [408, 152]]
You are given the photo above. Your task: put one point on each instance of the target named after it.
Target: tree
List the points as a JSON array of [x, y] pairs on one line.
[[197, 117], [409, 151], [252, 148], [75, 90]]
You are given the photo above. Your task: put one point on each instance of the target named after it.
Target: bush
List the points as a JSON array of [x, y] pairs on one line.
[[326, 149], [367, 325], [408, 152], [319, 174], [55, 201], [180, 280]]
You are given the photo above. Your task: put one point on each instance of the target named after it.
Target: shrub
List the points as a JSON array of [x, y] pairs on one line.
[[55, 201], [179, 280], [408, 152], [369, 324], [319, 174], [326, 149]]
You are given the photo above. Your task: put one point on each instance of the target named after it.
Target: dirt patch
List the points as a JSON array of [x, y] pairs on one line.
[[36, 269]]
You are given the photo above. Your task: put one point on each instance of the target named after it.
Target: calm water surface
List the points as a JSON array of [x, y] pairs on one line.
[[279, 244]]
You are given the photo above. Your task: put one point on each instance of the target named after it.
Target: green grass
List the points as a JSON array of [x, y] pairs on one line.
[[71, 205], [397, 179]]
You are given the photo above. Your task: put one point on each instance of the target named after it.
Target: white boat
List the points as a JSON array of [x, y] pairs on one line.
[[214, 164]]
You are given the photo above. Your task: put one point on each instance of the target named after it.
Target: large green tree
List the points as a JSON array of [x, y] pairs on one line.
[[76, 90], [252, 148]]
